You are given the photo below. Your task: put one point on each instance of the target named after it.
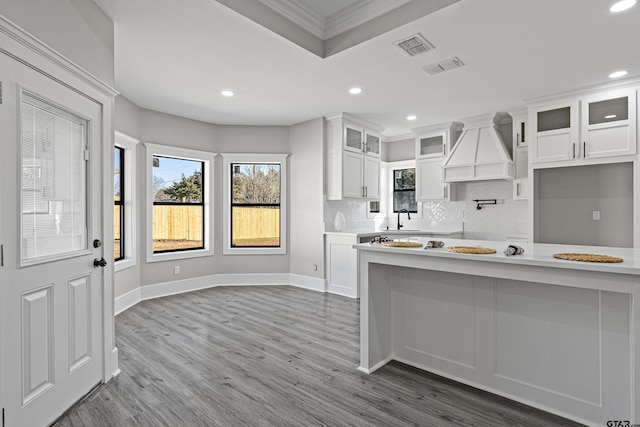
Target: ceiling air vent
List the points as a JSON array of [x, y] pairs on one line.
[[444, 65], [415, 45]]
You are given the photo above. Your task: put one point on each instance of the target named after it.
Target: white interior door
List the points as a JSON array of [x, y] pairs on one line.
[[51, 293]]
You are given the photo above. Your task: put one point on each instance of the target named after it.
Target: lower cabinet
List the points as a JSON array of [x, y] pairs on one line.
[[341, 262]]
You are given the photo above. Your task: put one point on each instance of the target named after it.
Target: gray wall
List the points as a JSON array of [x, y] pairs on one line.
[[566, 198], [304, 143], [306, 214], [399, 150], [78, 29]]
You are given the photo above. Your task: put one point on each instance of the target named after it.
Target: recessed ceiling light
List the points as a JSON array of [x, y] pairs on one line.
[[355, 90], [610, 116], [617, 74], [227, 93], [622, 5], [411, 117]]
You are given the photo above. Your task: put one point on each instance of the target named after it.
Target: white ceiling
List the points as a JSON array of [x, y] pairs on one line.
[[176, 57]]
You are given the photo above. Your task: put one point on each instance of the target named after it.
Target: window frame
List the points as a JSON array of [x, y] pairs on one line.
[[129, 145], [386, 188], [120, 157], [394, 190], [207, 158], [230, 158]]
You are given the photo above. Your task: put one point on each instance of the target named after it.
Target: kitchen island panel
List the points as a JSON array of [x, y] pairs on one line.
[[565, 349]]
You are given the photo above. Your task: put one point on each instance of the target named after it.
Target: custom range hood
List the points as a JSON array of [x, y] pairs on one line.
[[480, 153]]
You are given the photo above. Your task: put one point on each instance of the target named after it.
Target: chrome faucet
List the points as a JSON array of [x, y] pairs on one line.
[[408, 217]]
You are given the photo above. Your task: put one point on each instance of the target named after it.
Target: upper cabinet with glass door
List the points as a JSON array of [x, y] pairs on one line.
[[436, 140], [372, 143], [591, 127], [353, 158], [609, 124]]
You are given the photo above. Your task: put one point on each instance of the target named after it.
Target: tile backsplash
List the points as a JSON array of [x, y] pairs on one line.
[[492, 222]]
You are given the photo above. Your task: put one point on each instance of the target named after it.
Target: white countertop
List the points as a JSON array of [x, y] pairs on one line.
[[536, 254], [409, 232]]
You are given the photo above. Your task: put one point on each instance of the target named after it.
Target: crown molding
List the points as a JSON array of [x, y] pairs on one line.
[[299, 15], [351, 16], [358, 13]]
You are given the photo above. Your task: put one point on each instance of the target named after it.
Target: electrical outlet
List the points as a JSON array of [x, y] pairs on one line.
[[176, 269], [596, 215]]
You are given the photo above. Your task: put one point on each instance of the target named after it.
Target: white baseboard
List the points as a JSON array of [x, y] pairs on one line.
[[114, 363], [342, 290], [131, 298], [127, 300], [307, 282]]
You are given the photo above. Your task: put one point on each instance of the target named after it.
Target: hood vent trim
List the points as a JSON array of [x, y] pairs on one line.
[[480, 153], [414, 45]]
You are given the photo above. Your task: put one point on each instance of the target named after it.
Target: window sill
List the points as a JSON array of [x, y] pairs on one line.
[[254, 251], [123, 264], [168, 256]]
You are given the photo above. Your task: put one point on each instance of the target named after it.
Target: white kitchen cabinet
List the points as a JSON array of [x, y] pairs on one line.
[[520, 156], [353, 158], [609, 124], [590, 127], [429, 185], [556, 132], [371, 176], [353, 172], [372, 144], [341, 261], [433, 143], [436, 140]]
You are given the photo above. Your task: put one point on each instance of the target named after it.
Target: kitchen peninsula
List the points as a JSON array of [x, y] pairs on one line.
[[562, 336]]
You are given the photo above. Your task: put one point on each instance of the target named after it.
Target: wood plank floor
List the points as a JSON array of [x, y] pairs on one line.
[[272, 356]]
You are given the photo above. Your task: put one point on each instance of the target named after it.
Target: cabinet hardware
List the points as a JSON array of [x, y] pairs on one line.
[[573, 156], [1, 255], [584, 149], [517, 189]]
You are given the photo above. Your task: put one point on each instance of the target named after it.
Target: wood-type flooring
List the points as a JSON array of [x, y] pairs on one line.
[[272, 356]]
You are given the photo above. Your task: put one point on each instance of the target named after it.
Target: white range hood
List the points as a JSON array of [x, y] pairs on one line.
[[480, 153]]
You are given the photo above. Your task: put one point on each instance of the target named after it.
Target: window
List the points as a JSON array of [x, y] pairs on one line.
[[404, 190], [255, 196], [124, 200], [178, 206], [179, 186], [119, 220]]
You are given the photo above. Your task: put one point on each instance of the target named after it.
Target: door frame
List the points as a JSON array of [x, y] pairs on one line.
[[25, 48]]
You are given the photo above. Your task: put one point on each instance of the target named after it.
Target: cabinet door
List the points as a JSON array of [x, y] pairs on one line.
[[372, 144], [520, 183], [429, 185], [432, 145], [371, 178], [609, 124], [556, 133], [353, 138], [352, 175], [520, 138]]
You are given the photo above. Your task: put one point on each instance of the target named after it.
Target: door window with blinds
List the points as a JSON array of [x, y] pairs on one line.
[[52, 183]]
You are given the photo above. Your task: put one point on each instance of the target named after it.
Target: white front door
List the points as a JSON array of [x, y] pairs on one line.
[[51, 293]]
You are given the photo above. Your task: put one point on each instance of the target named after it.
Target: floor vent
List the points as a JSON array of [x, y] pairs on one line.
[[444, 65], [415, 45]]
